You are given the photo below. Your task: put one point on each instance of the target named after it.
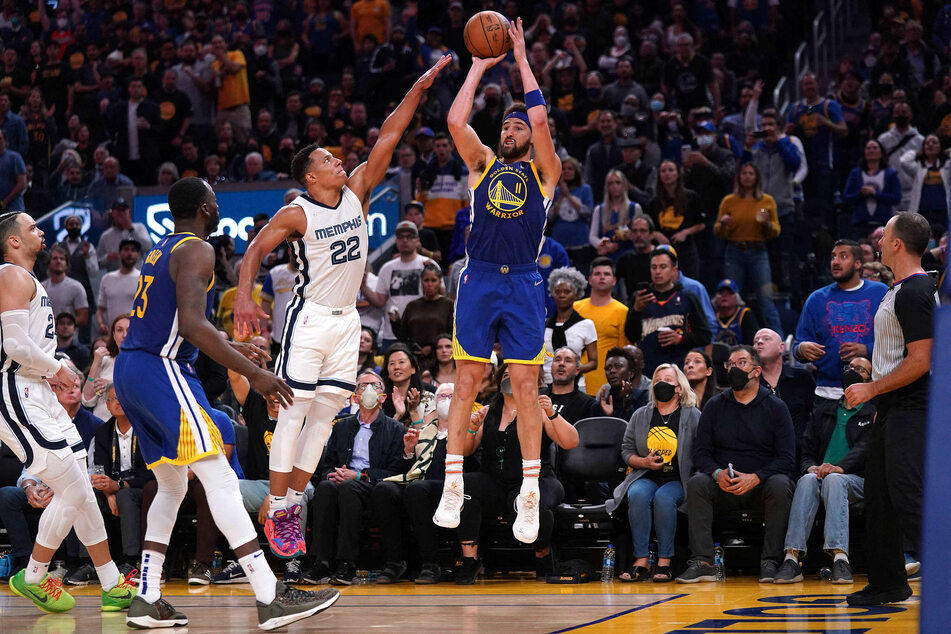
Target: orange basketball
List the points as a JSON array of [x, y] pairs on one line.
[[487, 34]]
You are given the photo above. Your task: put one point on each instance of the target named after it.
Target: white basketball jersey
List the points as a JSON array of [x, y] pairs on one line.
[[332, 255], [42, 329]]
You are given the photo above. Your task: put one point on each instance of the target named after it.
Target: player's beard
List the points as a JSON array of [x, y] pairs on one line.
[[514, 151]]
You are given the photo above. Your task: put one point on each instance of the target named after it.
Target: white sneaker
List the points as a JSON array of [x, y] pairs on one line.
[[447, 515], [525, 527]]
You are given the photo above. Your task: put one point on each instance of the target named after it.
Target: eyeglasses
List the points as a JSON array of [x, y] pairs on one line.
[[360, 388], [112, 399], [742, 364], [444, 397], [859, 369]]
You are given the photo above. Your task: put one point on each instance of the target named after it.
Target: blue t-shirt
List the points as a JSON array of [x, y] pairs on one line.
[[933, 195], [571, 229], [11, 166], [831, 317], [817, 140]]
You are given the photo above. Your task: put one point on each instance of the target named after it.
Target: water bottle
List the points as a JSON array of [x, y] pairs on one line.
[[607, 564], [216, 562], [718, 567], [652, 555]]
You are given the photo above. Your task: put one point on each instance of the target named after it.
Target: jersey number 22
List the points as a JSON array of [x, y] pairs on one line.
[[341, 254]]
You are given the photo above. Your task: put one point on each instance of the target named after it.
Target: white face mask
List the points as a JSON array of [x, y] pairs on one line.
[[705, 139], [369, 398], [260, 51], [620, 41], [62, 23], [442, 407]]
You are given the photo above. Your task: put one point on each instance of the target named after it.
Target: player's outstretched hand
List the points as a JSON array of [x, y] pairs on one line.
[[247, 312], [272, 388], [517, 33], [426, 79], [254, 354], [486, 62]]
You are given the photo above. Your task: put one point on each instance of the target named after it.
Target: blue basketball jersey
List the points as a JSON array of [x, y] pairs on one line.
[[509, 210], [154, 324]]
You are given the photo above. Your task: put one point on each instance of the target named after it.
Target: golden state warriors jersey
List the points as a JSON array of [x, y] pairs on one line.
[[154, 323], [509, 210]]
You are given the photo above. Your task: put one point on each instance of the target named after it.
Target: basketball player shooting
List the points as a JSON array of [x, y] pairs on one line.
[[500, 296], [326, 230]]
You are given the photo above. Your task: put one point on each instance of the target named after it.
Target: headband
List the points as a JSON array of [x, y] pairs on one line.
[[521, 116]]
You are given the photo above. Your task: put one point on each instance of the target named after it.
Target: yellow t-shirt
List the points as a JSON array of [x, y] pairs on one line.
[[370, 16], [234, 88], [744, 225], [609, 324], [226, 307]]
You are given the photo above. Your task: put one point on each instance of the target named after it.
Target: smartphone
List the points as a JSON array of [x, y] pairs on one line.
[[730, 470], [684, 151], [641, 286], [760, 134]]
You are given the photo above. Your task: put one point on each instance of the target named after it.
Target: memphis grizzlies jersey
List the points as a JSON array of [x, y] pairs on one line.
[[42, 329], [154, 324], [332, 254], [509, 209]]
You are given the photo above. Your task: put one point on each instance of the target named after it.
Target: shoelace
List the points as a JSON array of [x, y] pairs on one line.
[[452, 496], [293, 596], [52, 586], [292, 566], [128, 580], [286, 528], [529, 507]]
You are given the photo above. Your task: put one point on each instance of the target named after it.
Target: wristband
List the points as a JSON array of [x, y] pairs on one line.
[[358, 475], [554, 416], [472, 431], [89, 379], [418, 422], [534, 98], [716, 473]]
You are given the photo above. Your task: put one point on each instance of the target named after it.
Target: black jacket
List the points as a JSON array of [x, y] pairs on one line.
[[386, 447], [104, 442], [819, 433], [118, 118], [796, 388]]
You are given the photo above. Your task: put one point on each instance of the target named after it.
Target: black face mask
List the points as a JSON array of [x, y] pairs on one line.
[[74, 232], [664, 391], [902, 121], [851, 377], [738, 378], [885, 89], [505, 387], [491, 102]]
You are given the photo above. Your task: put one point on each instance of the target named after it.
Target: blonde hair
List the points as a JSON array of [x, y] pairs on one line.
[[623, 218], [688, 397]]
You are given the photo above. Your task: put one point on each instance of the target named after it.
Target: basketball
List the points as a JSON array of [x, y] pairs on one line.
[[487, 34]]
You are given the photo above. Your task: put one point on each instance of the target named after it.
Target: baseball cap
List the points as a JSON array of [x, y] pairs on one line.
[[120, 202], [706, 125], [317, 80], [425, 131], [629, 141], [414, 203], [406, 225], [728, 283]]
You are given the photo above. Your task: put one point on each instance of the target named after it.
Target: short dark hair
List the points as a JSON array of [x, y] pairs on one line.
[[854, 246], [129, 242], [301, 163], [658, 252], [260, 216], [913, 230], [443, 135], [517, 106], [603, 260], [65, 315], [8, 227], [754, 355], [621, 352], [185, 197], [769, 114]]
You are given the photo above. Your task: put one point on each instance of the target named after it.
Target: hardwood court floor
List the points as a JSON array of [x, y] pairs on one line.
[[509, 605]]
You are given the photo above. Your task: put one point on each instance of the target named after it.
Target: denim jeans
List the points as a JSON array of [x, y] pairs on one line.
[[641, 496], [750, 270], [837, 491]]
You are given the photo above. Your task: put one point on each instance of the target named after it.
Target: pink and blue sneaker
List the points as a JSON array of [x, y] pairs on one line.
[[284, 534]]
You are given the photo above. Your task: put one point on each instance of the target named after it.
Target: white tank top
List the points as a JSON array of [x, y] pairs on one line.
[[332, 255], [42, 329]]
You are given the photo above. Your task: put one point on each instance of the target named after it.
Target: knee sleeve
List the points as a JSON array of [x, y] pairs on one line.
[[313, 436], [224, 499], [172, 484], [73, 506], [286, 434]]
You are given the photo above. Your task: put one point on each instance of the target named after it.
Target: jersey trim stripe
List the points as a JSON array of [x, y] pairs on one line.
[[183, 241], [312, 201], [13, 397], [343, 385], [293, 312], [538, 178], [484, 173], [17, 430], [188, 406]]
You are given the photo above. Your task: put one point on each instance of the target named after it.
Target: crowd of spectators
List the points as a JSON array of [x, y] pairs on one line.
[[690, 213]]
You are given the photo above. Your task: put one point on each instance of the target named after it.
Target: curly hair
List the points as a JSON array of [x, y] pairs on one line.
[[570, 275]]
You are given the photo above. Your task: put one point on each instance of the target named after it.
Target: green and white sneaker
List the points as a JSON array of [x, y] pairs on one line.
[[48, 595], [143, 615], [291, 604], [120, 597]]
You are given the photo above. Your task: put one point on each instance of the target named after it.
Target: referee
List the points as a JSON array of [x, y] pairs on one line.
[[901, 363]]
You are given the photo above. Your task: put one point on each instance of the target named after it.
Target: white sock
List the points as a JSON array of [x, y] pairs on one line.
[[453, 468], [841, 555], [791, 555], [530, 472], [108, 575], [35, 572], [294, 498], [277, 503], [150, 585], [263, 581]]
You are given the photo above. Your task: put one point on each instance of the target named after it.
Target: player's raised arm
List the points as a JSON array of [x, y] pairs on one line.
[[289, 223], [475, 155], [191, 267], [546, 159], [368, 175]]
